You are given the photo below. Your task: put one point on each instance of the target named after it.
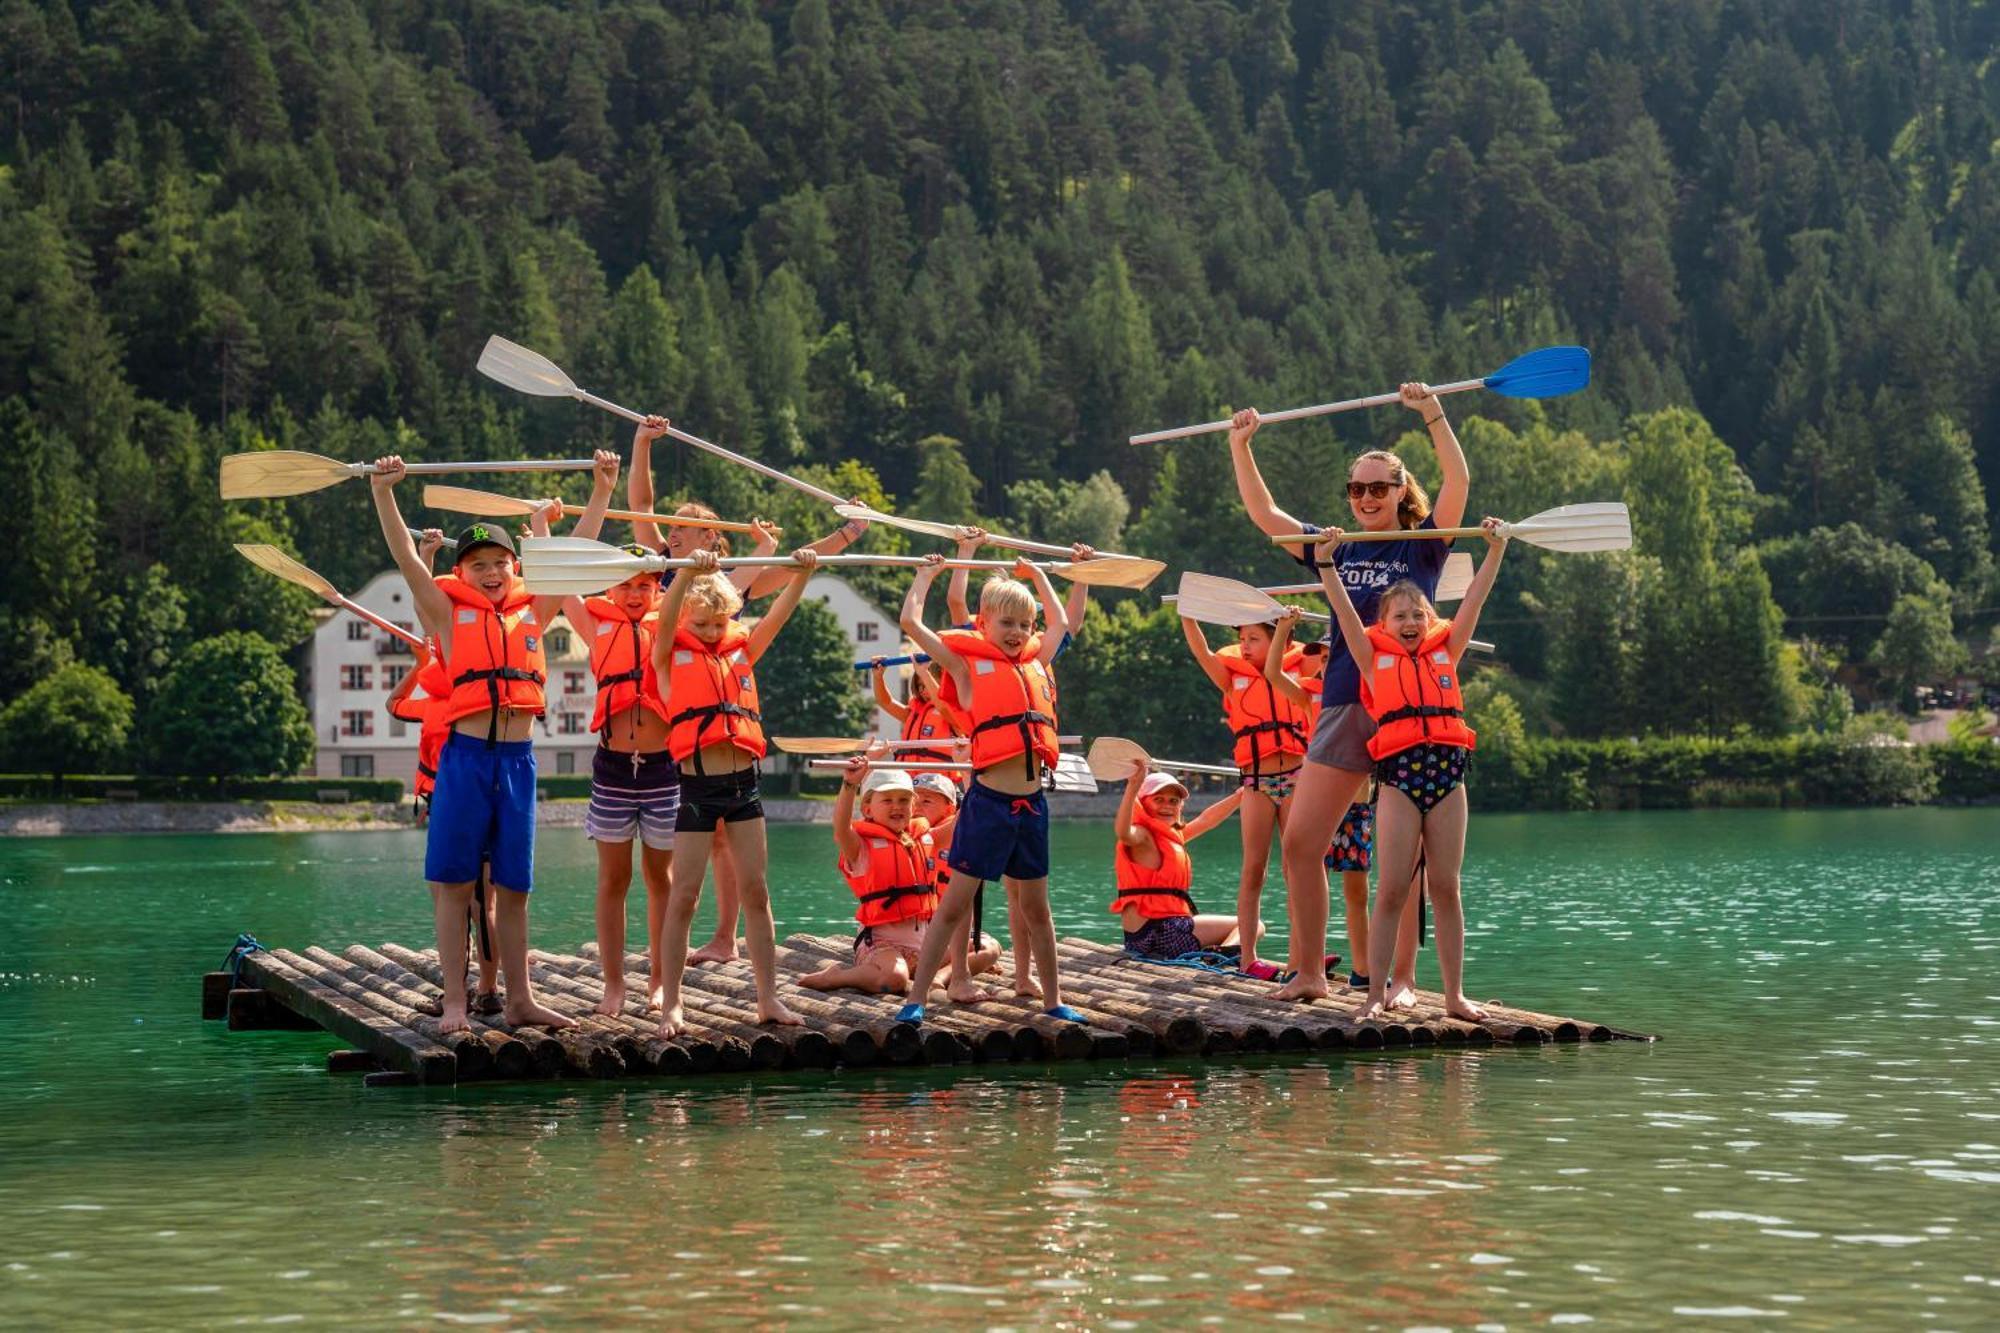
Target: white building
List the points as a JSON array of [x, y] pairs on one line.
[[349, 668]]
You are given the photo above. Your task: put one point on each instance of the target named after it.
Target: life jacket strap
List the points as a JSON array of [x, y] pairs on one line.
[[1181, 894], [706, 712], [898, 891], [1419, 711]]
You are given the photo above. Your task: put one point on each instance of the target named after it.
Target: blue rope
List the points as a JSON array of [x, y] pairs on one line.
[[246, 944], [1202, 960]]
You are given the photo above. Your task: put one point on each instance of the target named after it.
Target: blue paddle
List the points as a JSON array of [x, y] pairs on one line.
[[1547, 372]]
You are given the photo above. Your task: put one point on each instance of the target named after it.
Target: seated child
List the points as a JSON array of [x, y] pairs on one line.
[[1153, 872], [889, 860], [937, 804]]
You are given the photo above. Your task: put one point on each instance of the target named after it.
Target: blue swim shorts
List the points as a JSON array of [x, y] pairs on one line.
[[998, 834], [483, 810]]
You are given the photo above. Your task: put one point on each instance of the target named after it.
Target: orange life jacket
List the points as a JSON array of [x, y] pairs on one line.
[[495, 657], [1157, 891], [926, 721], [712, 689], [1264, 722], [1314, 698], [1013, 706], [621, 658], [425, 705], [1413, 697], [899, 882]]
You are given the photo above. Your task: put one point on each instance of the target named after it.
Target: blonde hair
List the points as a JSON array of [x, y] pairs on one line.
[[1000, 595], [695, 509], [712, 592], [1415, 505], [1402, 590]]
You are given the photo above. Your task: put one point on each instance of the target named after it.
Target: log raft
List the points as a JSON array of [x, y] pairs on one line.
[[384, 1004]]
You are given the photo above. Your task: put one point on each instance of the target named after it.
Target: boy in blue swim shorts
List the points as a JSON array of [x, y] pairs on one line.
[[483, 809]]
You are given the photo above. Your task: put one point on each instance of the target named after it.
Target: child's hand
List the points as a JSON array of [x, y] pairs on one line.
[[388, 471], [1243, 425], [878, 664], [970, 539], [877, 749], [1140, 768], [1493, 527], [652, 428], [805, 558], [1082, 551], [427, 544], [858, 525], [604, 470], [857, 769], [704, 562], [1417, 396], [931, 563], [1023, 569], [767, 534], [1288, 619]]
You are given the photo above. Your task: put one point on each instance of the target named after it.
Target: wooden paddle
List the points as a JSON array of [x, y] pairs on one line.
[[1115, 759], [1547, 372], [273, 561], [854, 745], [1071, 773], [565, 566], [269, 473], [1215, 600], [529, 371], [459, 500], [1452, 583], [1601, 526], [417, 535]]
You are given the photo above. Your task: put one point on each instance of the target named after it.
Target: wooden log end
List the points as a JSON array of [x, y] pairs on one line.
[[351, 1062], [1109, 1045], [601, 1060], [1291, 1037], [939, 1047], [511, 1060], [215, 988], [671, 1058], [855, 1047], [1422, 1034], [1140, 1043], [1367, 1037], [1182, 1035], [1395, 1035], [389, 1078], [1074, 1041], [1220, 1041], [1527, 1034], [251, 1010], [1022, 1043], [1567, 1031], [704, 1057], [902, 1043], [813, 1049], [767, 1052]]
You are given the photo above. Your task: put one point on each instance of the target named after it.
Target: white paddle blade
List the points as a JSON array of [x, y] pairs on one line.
[[484, 504], [951, 532], [270, 473], [576, 566], [1113, 758], [519, 368], [1575, 528], [1219, 601], [1455, 578], [1112, 571], [1073, 774], [273, 561]]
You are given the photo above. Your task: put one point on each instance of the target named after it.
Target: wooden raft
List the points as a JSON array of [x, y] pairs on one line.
[[384, 1002]]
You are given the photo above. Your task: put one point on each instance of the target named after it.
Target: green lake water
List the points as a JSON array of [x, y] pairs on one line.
[[1815, 1142]]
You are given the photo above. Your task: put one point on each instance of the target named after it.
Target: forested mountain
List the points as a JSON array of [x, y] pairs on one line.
[[968, 248]]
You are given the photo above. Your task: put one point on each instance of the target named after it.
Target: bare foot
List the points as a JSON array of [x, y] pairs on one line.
[[537, 1016], [774, 1012], [964, 992], [1371, 1008], [453, 1019], [715, 951], [1307, 985], [613, 1003], [1026, 988], [654, 989], [1460, 1007], [673, 1022], [815, 980], [1403, 997]]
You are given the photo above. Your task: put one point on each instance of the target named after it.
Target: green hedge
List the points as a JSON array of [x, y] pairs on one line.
[[1681, 772], [41, 787]]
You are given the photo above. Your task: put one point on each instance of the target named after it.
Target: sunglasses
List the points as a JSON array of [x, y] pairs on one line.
[[1377, 490]]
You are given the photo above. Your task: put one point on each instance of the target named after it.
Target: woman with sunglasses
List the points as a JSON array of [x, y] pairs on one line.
[[679, 542], [1382, 495]]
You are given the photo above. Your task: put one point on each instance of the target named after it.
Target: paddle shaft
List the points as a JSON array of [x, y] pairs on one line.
[[685, 438], [1299, 413], [895, 767], [511, 465], [417, 535], [385, 626], [670, 520], [1388, 535]]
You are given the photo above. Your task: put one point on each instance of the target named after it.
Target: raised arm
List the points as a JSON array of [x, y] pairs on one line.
[[670, 616], [1454, 478], [433, 607], [1352, 632], [1280, 679], [1055, 621], [920, 633], [743, 577], [955, 604], [1208, 820], [1197, 643], [1077, 604], [844, 836], [887, 702], [1467, 618], [770, 578], [545, 513], [1122, 826], [408, 684], [1250, 487], [781, 610], [639, 483], [603, 477]]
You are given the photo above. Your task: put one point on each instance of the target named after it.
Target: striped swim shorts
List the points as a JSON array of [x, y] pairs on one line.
[[633, 795]]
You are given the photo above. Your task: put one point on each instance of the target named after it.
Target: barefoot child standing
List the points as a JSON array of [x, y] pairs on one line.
[[483, 811], [707, 672], [889, 859], [1155, 879], [1409, 661], [998, 674]]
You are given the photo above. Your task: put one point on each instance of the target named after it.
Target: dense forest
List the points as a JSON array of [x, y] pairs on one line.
[[951, 255]]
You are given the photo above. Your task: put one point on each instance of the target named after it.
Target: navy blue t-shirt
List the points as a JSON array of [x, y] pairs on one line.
[[1368, 569]]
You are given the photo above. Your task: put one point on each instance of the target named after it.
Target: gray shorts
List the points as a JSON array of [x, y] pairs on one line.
[[1341, 738]]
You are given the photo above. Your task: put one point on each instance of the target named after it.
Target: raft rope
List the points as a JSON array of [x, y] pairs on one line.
[[246, 944]]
